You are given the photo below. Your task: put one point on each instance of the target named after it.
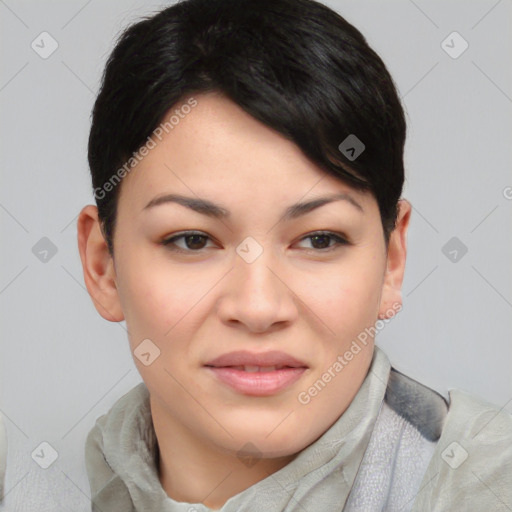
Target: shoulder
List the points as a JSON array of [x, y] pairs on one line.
[[477, 416], [108, 491], [482, 429], [471, 468]]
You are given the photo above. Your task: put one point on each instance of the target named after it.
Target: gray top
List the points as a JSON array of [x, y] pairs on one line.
[[397, 447]]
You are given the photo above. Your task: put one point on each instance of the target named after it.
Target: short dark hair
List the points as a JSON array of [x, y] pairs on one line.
[[295, 65]]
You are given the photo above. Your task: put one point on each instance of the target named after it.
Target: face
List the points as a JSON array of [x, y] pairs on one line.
[[250, 275]]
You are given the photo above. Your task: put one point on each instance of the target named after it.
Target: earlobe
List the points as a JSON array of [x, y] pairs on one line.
[[391, 298], [98, 265]]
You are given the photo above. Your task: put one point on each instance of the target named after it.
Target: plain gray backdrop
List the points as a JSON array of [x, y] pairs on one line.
[[62, 365]]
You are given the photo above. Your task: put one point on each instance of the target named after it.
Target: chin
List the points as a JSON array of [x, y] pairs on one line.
[[263, 442]]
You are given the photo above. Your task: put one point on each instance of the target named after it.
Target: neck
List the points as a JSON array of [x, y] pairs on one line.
[[193, 471]]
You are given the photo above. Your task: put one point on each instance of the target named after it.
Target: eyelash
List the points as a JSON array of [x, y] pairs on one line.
[[338, 238]]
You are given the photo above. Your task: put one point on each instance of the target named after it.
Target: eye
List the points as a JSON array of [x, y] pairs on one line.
[[194, 241], [320, 241]]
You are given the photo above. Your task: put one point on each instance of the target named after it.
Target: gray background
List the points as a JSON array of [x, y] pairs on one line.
[[62, 365]]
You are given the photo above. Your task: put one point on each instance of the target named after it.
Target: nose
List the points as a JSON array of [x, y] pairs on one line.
[[257, 295]]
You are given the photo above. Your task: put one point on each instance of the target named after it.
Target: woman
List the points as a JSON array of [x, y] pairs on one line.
[[247, 164]]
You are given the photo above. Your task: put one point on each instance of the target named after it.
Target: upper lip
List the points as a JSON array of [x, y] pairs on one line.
[[246, 358]]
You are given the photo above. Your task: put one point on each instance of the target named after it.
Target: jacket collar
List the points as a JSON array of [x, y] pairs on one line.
[[319, 478]]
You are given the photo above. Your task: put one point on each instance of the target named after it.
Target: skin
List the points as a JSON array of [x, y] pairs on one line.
[[195, 306]]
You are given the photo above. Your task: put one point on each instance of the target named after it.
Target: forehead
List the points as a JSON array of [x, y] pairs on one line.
[[215, 148]]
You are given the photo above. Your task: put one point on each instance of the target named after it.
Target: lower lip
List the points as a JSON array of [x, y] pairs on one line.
[[258, 383]]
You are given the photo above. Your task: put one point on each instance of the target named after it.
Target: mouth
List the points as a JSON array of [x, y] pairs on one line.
[[243, 358], [253, 374], [254, 369]]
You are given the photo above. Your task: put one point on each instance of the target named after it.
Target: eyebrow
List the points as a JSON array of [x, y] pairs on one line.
[[206, 207]]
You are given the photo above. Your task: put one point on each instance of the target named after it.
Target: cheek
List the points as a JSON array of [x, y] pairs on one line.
[[347, 296], [163, 302]]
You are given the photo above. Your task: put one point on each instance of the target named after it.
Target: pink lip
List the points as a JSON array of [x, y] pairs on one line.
[[257, 383]]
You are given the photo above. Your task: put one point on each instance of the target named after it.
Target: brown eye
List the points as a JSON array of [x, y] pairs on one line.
[[194, 242], [321, 241]]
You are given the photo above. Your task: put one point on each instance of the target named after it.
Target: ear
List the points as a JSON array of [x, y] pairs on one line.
[[98, 265], [391, 295]]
